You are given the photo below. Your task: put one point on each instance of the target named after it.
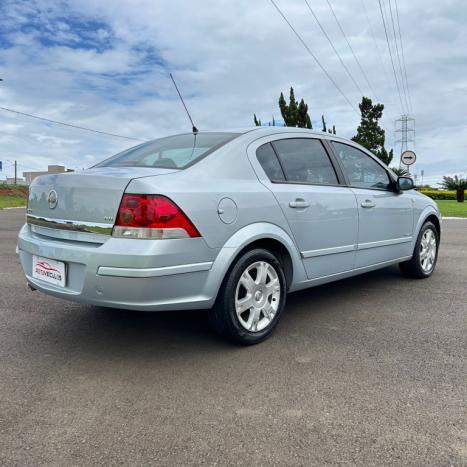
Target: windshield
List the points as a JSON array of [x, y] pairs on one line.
[[173, 152]]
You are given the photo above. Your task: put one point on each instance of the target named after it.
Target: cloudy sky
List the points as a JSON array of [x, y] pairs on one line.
[[105, 65]]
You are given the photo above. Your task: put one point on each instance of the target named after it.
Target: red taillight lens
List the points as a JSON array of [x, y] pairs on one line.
[[152, 217]]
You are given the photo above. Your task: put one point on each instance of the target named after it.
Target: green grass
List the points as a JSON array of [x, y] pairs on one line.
[[11, 201], [450, 208]]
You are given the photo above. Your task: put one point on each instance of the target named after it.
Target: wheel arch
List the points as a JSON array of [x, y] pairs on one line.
[[277, 248], [261, 235], [429, 214], [436, 222]]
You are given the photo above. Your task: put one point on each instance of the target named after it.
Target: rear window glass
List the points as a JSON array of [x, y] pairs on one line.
[[305, 161], [173, 152]]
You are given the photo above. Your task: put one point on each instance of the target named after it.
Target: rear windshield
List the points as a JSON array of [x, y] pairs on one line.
[[173, 152]]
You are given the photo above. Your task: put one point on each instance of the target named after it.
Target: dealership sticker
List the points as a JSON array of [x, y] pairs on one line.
[[49, 270]]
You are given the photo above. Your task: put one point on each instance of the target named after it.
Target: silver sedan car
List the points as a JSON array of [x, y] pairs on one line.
[[229, 221]]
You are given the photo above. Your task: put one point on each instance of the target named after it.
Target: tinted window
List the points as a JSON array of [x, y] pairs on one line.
[[305, 160], [269, 162], [361, 170], [173, 152]]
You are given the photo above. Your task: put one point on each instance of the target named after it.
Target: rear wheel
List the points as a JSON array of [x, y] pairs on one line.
[[251, 299], [425, 254]]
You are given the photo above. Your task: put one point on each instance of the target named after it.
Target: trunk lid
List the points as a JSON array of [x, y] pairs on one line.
[[90, 196]]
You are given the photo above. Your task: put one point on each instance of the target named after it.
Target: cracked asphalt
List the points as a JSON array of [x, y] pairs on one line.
[[366, 371]]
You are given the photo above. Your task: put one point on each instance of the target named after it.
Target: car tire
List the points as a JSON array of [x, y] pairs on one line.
[[425, 254], [251, 299]]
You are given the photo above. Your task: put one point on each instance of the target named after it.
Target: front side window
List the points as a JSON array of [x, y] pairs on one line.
[[305, 160], [361, 170], [173, 152]]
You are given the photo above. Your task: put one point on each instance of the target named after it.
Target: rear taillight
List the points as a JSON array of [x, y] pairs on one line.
[[152, 217]]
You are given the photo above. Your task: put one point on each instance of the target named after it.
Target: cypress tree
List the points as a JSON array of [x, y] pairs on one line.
[[294, 114], [324, 123], [369, 134]]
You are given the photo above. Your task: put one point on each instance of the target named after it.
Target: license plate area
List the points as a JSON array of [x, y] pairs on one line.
[[49, 270]]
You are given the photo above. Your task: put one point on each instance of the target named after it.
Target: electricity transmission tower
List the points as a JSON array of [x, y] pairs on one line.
[[404, 133]]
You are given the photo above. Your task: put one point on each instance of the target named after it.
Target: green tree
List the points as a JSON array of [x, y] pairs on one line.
[[455, 183], [295, 114], [369, 134], [332, 130]]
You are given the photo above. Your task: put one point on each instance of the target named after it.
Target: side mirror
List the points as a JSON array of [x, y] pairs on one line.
[[404, 184]]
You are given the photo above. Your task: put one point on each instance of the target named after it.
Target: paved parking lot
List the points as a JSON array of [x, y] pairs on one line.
[[367, 371]]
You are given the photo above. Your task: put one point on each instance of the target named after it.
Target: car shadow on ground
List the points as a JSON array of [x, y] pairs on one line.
[[124, 333]]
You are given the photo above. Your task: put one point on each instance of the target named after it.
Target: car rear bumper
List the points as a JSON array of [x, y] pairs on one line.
[[123, 273]]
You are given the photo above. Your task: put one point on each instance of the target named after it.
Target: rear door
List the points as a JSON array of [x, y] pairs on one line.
[[322, 214], [385, 217]]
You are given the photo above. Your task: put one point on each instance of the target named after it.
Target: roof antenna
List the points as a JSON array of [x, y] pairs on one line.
[[195, 130]]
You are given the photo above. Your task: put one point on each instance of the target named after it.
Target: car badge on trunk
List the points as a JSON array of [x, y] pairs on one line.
[[52, 199]]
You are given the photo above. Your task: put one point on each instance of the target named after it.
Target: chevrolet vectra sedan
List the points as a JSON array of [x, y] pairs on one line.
[[229, 221]]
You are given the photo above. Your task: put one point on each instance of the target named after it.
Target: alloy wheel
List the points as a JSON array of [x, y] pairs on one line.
[[428, 247], [257, 296]]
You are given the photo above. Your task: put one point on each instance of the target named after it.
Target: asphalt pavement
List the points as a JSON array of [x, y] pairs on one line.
[[370, 370]]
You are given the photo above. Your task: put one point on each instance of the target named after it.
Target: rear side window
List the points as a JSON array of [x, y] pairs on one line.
[[361, 170], [269, 162], [305, 160], [173, 152]]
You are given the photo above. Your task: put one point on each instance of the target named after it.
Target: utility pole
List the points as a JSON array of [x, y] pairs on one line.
[[16, 171], [404, 133]]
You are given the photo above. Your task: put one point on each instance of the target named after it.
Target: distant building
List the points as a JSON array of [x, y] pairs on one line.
[[19, 181], [51, 169]]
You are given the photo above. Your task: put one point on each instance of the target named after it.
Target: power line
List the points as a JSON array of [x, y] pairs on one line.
[[372, 32], [69, 124], [398, 56], [351, 49], [333, 48], [314, 56], [390, 54], [384, 68], [403, 56]]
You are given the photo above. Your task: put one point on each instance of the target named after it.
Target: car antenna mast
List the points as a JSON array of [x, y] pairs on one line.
[[195, 130]]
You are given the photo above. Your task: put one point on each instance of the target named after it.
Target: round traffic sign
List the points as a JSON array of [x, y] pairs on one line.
[[408, 157]]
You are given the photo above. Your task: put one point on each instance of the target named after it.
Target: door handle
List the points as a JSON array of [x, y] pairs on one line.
[[368, 204], [299, 203]]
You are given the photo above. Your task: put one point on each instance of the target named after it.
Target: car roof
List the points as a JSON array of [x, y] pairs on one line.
[[270, 130], [259, 131]]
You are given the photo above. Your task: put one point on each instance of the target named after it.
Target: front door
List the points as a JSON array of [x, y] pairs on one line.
[[385, 217], [321, 213]]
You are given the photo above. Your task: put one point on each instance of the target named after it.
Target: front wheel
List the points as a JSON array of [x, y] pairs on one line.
[[425, 254], [251, 299]]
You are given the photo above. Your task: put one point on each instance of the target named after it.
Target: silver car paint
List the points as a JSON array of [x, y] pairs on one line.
[[185, 274]]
